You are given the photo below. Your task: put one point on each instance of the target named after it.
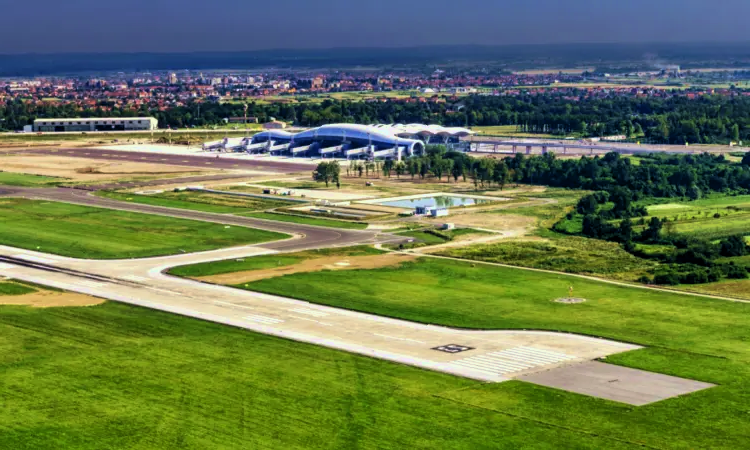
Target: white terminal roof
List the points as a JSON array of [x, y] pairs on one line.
[[103, 119]]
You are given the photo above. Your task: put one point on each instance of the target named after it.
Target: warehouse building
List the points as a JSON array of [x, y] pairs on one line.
[[96, 124]]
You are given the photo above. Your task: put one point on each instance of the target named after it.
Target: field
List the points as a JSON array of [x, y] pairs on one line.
[[571, 254], [26, 180], [115, 376], [332, 223], [696, 338], [511, 131], [84, 232], [197, 201], [698, 217], [267, 261]]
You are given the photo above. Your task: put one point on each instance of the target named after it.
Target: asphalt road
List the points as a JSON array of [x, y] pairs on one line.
[[307, 236], [204, 162]]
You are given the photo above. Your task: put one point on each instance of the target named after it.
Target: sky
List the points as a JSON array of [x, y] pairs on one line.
[[54, 26]]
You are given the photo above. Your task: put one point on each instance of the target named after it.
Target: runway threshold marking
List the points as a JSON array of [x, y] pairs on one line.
[[398, 338], [325, 324], [263, 319], [515, 359], [309, 312]]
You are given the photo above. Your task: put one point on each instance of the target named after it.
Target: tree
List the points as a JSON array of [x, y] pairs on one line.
[[327, 172], [388, 167], [400, 168], [734, 134], [501, 174], [746, 159]]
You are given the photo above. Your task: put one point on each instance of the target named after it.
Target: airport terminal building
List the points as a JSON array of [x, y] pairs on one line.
[[348, 141], [96, 124]]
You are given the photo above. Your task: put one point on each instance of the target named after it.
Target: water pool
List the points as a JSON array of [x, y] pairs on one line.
[[440, 201]]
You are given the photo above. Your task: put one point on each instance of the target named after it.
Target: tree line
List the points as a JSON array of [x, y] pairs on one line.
[[673, 120]]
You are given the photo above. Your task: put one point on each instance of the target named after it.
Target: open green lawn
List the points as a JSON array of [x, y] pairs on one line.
[[267, 261], [95, 233], [26, 180], [510, 130], [305, 220], [693, 337], [563, 253], [11, 288], [697, 217], [120, 377], [198, 201]]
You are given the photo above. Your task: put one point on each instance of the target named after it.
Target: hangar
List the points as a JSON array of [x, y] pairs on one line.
[[350, 141]]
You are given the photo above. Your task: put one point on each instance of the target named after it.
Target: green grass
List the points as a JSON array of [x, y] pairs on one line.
[[214, 203], [331, 223], [120, 377], [95, 233], [10, 288], [696, 218], [26, 180], [266, 261], [427, 238], [692, 337], [570, 254]]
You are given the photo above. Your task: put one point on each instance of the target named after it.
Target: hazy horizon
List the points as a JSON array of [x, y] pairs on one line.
[[169, 26]]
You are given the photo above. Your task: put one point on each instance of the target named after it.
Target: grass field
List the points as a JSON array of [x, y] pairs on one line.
[[511, 130], [11, 288], [26, 180], [267, 261], [562, 253], [697, 217], [687, 336], [120, 377], [197, 201], [331, 223], [85, 232]]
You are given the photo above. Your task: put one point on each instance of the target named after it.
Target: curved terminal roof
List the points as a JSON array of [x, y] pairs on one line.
[[414, 129]]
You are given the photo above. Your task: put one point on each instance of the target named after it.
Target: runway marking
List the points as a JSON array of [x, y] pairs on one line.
[[325, 324], [37, 259], [515, 359], [263, 319], [134, 278], [309, 312], [217, 302], [398, 338], [7, 266]]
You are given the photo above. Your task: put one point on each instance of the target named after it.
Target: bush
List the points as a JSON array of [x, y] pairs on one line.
[[736, 272], [667, 278], [645, 279]]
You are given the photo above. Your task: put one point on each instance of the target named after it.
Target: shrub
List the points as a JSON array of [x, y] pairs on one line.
[[667, 278]]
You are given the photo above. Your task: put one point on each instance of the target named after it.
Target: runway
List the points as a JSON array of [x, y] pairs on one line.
[[205, 161], [492, 356]]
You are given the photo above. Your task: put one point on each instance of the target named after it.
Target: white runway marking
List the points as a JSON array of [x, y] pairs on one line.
[[325, 324], [309, 312], [514, 359], [35, 259], [134, 278], [217, 302], [7, 266], [263, 319], [398, 338]]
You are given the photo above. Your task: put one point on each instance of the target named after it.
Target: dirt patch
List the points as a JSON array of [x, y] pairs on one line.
[[312, 265], [510, 225], [570, 300], [82, 169], [48, 299]]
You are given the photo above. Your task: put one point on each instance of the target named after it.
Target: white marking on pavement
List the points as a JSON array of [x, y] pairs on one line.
[[325, 324], [262, 319], [309, 312], [134, 278], [515, 359], [398, 338], [217, 302]]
